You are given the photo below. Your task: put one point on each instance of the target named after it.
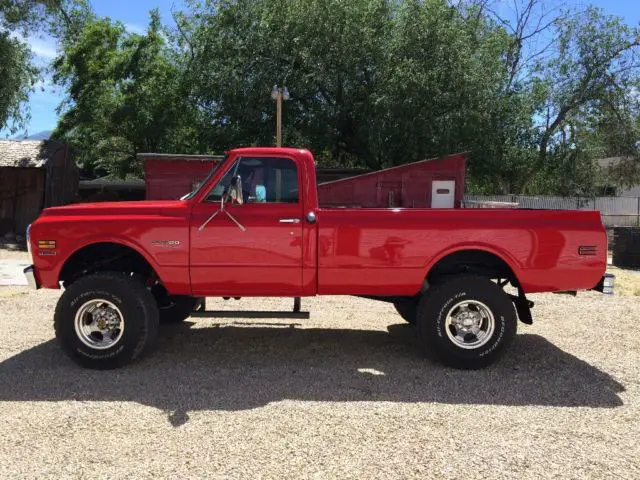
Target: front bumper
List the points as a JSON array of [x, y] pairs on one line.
[[30, 273], [606, 284]]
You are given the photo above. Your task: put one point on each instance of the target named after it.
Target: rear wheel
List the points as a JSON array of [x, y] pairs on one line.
[[467, 321], [106, 320]]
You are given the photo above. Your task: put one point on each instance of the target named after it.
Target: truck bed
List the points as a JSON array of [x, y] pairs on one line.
[[389, 251]]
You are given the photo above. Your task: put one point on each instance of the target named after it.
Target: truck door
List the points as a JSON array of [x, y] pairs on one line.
[[251, 245]]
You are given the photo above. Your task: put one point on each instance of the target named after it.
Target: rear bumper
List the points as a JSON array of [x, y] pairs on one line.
[[606, 284], [30, 273]]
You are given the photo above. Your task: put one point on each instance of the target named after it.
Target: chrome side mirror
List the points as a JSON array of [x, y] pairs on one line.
[[234, 192]]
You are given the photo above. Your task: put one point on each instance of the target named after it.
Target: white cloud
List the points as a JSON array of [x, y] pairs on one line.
[[135, 28], [41, 85], [44, 48]]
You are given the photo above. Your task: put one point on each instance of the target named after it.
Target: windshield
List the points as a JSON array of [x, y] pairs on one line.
[[199, 185]]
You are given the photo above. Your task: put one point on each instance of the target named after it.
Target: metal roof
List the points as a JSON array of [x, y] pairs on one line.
[[111, 183], [27, 153], [177, 156]]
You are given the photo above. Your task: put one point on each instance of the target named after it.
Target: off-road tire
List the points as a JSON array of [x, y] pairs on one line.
[[435, 307], [139, 311]]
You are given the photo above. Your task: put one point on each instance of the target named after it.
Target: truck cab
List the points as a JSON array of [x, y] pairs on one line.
[[253, 226]]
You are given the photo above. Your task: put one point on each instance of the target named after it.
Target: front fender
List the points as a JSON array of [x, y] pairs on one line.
[[110, 239]]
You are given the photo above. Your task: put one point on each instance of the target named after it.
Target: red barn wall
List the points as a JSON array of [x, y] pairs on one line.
[[172, 178], [409, 185]]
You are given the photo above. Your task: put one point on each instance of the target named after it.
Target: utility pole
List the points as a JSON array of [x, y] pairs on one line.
[[279, 95]]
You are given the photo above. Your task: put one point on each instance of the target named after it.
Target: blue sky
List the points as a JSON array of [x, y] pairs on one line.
[[135, 14]]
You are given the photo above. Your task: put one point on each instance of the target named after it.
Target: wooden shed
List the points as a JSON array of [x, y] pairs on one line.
[[34, 174]]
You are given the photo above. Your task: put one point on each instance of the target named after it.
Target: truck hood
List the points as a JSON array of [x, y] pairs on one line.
[[144, 207]]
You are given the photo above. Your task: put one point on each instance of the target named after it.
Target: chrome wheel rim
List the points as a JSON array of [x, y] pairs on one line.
[[470, 324], [99, 324]]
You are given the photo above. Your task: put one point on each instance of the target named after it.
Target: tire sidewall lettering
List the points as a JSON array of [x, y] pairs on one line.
[[90, 353], [486, 349], [76, 302], [495, 342], [440, 322], [432, 316]]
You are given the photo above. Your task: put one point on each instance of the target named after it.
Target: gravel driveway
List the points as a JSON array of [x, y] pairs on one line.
[[346, 394]]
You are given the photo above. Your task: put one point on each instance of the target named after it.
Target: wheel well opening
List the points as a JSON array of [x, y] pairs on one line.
[[99, 257], [477, 262]]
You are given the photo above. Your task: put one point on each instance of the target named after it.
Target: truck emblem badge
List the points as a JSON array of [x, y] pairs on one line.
[[165, 243]]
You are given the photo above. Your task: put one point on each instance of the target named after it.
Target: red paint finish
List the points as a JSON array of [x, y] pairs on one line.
[[407, 185], [346, 251], [134, 224], [390, 251], [267, 258]]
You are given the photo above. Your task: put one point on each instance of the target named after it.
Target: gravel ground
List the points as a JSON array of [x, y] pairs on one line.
[[346, 394], [14, 252]]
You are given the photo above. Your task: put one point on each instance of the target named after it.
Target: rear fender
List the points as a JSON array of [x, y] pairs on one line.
[[511, 262]]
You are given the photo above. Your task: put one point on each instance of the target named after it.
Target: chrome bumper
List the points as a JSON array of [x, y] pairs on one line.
[[606, 284], [29, 272]]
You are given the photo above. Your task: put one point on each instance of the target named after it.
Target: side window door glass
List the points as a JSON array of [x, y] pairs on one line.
[[258, 180], [222, 187]]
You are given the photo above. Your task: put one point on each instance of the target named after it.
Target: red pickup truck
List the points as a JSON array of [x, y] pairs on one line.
[[253, 227]]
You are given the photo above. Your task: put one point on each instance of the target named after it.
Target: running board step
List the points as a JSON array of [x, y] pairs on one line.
[[249, 314]]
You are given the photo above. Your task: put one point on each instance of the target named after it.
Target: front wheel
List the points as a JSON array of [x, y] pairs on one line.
[[467, 321], [106, 320]]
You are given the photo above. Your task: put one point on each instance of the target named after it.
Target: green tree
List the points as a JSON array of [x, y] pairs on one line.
[[373, 82], [594, 67], [18, 72], [565, 73], [377, 81], [125, 96], [18, 77], [326, 52]]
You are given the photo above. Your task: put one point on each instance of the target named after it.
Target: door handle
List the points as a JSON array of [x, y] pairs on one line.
[[289, 220]]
